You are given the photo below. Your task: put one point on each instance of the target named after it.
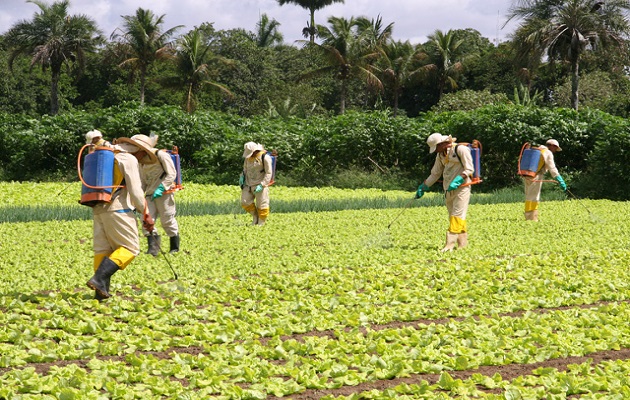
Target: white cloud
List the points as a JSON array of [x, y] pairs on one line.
[[413, 20]]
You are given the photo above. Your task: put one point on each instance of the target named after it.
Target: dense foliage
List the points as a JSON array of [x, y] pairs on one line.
[[354, 63], [312, 151]]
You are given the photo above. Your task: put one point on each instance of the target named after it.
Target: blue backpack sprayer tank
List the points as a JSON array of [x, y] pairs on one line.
[[529, 161], [475, 153], [274, 156], [177, 184], [100, 176]]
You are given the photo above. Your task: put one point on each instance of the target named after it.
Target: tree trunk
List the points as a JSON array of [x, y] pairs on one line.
[[143, 80], [312, 25], [575, 82], [342, 97], [54, 90], [189, 99]]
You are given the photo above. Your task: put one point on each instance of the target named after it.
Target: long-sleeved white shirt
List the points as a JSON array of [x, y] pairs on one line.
[[448, 165]]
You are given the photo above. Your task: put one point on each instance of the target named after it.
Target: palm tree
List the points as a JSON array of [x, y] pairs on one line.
[[267, 32], [373, 32], [53, 39], [346, 55], [565, 29], [194, 58], [142, 43], [399, 64], [443, 49], [312, 6]]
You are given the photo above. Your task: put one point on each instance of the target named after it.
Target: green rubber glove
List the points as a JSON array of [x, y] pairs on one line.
[[259, 188], [563, 185], [455, 183], [159, 191], [241, 181], [421, 189]]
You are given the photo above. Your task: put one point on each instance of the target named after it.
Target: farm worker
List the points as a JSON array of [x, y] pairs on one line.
[[116, 241], [95, 137], [158, 181], [254, 182], [454, 165], [534, 185]]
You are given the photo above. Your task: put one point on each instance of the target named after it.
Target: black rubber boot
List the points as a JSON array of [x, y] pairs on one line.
[[154, 245], [174, 244], [97, 295], [100, 281]]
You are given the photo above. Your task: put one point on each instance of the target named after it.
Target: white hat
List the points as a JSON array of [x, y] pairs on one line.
[[250, 148], [137, 143], [91, 135], [436, 138], [554, 142]]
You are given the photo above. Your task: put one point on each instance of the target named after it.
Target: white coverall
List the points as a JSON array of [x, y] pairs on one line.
[[257, 171], [449, 166], [534, 185], [115, 227], [162, 172]]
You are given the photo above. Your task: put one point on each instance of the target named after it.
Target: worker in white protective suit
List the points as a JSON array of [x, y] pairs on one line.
[[158, 182], [533, 185], [254, 181], [454, 165], [115, 229]]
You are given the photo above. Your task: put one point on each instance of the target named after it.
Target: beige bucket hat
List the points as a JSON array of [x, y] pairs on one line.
[[554, 142], [250, 148], [137, 143], [436, 138]]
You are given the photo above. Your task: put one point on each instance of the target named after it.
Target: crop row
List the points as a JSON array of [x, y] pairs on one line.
[[286, 366], [27, 202], [323, 302]]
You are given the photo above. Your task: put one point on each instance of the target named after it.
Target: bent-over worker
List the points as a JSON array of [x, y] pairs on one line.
[[533, 185], [116, 241]]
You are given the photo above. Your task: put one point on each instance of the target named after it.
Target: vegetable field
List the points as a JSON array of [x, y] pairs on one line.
[[325, 301]]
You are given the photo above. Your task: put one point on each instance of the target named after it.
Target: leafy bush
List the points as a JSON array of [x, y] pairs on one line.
[[608, 172], [349, 150], [468, 100]]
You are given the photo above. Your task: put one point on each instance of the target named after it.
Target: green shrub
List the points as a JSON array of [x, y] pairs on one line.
[[352, 150], [468, 100], [608, 172]]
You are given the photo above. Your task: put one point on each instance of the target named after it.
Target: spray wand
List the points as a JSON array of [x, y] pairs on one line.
[[400, 213], [578, 200], [154, 233]]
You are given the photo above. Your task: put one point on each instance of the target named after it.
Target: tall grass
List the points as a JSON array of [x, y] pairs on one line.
[[308, 202]]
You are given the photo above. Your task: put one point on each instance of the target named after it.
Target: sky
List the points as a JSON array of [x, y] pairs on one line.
[[413, 20]]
